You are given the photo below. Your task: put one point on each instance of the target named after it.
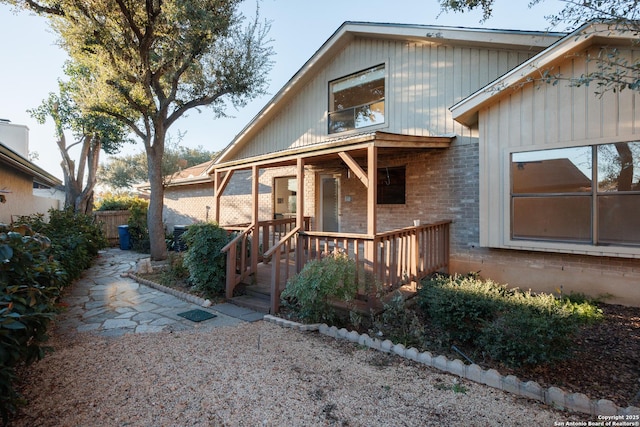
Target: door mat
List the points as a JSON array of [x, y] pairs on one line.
[[197, 315]]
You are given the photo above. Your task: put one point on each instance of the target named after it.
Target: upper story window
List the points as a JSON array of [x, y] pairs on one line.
[[357, 101], [588, 195]]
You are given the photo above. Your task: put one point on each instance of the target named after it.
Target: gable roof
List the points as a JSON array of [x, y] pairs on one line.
[[466, 111], [19, 163], [192, 172], [414, 33]]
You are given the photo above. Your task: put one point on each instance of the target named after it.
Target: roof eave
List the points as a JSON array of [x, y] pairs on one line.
[[466, 111], [20, 163]]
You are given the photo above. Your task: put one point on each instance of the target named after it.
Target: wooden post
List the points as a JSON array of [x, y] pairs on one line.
[[216, 194], [371, 263], [299, 214], [231, 271], [275, 279], [255, 241]]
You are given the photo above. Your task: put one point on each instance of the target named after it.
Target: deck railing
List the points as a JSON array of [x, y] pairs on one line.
[[398, 257], [409, 254], [239, 261], [394, 258], [238, 256], [280, 257]]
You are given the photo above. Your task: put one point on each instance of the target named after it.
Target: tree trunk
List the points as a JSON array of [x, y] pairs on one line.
[[625, 177], [154, 214], [83, 202]]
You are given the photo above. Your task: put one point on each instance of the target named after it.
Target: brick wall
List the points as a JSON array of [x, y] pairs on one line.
[[442, 184], [236, 201], [185, 205]]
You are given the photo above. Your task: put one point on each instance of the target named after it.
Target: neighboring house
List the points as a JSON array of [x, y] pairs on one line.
[[188, 197], [25, 188]]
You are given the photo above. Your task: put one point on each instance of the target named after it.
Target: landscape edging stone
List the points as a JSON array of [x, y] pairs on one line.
[[552, 396]]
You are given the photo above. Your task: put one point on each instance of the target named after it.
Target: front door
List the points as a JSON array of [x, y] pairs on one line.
[[329, 198]]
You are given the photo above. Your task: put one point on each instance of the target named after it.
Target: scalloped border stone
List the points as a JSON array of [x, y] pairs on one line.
[[552, 396]]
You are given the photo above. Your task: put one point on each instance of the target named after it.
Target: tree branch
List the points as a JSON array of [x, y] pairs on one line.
[[41, 9], [198, 102]]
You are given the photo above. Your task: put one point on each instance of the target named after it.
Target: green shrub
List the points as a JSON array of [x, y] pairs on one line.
[[399, 323], [119, 202], [33, 271], [75, 238], [206, 264], [460, 305], [310, 293], [30, 284], [508, 325]]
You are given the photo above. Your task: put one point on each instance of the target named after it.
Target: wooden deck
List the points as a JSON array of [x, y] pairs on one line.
[[256, 294], [397, 259], [255, 291]]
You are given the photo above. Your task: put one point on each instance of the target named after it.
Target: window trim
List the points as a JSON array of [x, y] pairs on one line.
[[507, 242], [385, 99]]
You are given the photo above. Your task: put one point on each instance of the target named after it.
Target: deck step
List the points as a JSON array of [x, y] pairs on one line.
[[252, 302], [258, 291]]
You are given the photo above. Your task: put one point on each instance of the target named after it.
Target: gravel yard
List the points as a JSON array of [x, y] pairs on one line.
[[254, 374]]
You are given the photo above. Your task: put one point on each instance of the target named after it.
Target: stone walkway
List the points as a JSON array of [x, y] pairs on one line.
[[109, 303]]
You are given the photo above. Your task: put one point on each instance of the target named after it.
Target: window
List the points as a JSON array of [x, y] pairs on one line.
[[553, 196], [284, 197], [391, 186], [357, 101]]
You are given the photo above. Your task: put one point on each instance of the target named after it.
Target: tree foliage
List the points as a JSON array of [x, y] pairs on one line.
[[123, 172], [613, 70], [152, 61], [91, 133]]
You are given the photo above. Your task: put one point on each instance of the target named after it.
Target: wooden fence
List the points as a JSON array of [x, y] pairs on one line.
[[110, 221]]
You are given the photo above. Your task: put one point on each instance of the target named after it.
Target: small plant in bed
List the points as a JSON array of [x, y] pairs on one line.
[[310, 294]]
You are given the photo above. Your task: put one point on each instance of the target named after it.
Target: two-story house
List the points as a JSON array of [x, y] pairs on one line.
[[363, 142]]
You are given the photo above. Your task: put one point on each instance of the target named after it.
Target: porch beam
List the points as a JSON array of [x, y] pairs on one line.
[[379, 139], [225, 180], [355, 168]]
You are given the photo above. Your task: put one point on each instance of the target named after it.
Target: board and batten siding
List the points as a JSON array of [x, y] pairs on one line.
[[423, 81], [544, 116]]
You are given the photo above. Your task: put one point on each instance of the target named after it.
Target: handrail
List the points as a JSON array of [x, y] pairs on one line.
[[230, 249], [336, 235], [413, 227], [281, 242], [235, 239]]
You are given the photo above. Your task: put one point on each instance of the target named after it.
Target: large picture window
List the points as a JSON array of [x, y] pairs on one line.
[[554, 198], [357, 101]]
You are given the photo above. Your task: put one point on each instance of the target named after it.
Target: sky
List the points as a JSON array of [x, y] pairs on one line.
[[32, 63]]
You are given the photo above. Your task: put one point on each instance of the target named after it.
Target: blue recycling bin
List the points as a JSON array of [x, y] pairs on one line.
[[125, 237]]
